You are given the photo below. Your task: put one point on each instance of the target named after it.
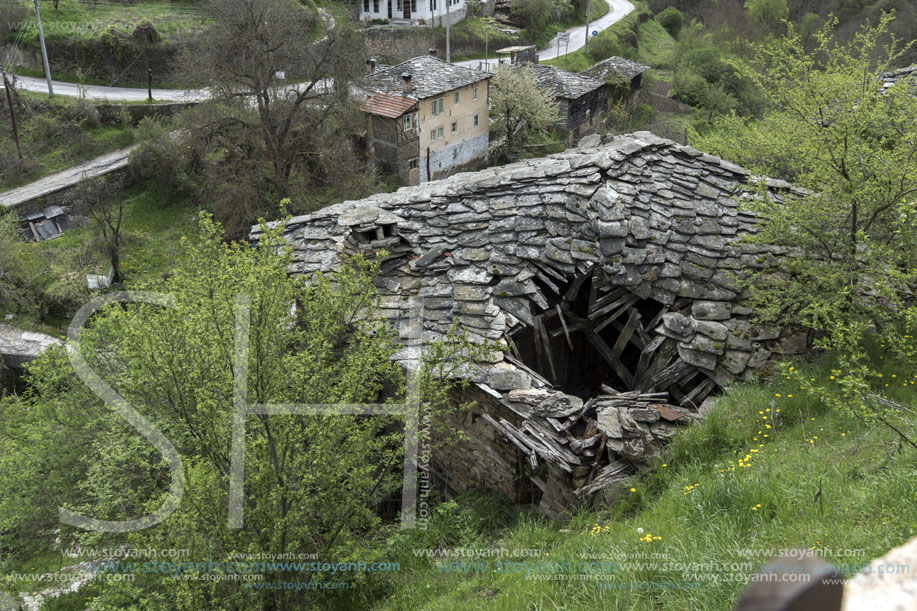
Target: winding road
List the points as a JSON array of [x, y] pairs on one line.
[[617, 10]]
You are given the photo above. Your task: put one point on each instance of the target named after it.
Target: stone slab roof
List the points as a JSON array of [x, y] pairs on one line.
[[644, 213], [430, 76], [17, 347], [563, 84], [615, 69], [389, 106], [890, 79]]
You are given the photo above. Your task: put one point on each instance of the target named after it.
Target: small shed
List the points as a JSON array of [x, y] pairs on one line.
[[519, 54], [45, 224]]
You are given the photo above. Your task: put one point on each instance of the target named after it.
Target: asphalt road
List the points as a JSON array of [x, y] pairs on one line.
[[111, 94], [617, 10]]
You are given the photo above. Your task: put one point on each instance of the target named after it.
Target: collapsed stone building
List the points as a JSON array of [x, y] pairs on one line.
[[605, 275]]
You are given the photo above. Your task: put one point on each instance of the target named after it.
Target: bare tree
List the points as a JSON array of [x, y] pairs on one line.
[[285, 71], [101, 200]]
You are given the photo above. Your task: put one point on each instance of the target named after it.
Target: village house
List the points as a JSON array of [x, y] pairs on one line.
[[426, 118], [414, 12], [581, 99]]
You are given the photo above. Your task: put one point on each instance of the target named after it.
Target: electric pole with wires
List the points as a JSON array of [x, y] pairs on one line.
[[44, 50]]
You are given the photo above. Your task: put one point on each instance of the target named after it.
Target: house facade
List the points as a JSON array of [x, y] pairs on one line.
[[426, 118], [415, 12]]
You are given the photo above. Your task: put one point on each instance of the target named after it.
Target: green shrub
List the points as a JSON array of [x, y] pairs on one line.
[[603, 47], [690, 87], [159, 155], [672, 20]]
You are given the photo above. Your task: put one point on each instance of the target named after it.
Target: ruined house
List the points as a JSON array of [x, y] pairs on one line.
[[625, 75], [426, 118], [605, 274]]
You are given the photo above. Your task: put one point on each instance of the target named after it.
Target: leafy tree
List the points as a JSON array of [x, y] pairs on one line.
[[15, 289], [521, 110], [852, 233], [531, 12], [672, 20], [313, 484]]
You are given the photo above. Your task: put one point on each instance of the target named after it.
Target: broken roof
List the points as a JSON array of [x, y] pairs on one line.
[[389, 106], [430, 76], [494, 249], [615, 69], [563, 84]]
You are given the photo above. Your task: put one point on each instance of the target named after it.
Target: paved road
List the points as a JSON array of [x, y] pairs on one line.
[[111, 94], [617, 10], [104, 164]]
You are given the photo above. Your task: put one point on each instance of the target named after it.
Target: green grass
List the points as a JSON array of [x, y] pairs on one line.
[[656, 45], [154, 223], [701, 505], [76, 19]]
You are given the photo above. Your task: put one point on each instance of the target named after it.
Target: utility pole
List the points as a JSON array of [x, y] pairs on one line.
[[44, 50], [448, 34], [588, 14], [9, 99]]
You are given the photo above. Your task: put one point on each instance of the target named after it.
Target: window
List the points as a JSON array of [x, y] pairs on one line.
[[454, 126], [455, 98], [412, 164], [407, 122], [365, 6], [375, 6], [436, 134], [437, 107], [474, 93], [477, 120]]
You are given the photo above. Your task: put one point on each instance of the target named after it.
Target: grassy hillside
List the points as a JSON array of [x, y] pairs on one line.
[[725, 493]]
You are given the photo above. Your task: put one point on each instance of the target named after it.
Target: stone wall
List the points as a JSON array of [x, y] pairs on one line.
[[456, 156]]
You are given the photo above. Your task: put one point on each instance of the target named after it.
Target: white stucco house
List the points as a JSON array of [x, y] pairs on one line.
[[414, 11]]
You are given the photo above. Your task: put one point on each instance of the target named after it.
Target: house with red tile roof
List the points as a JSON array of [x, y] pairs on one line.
[[426, 118]]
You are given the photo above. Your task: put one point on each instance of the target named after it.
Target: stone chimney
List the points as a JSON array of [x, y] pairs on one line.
[[406, 83], [432, 52]]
